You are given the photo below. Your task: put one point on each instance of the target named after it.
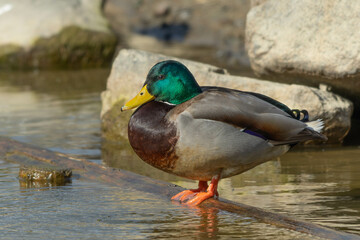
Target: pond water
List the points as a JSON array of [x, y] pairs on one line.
[[88, 210], [60, 111]]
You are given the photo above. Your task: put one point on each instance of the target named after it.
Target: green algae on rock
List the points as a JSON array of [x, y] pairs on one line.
[[73, 47]]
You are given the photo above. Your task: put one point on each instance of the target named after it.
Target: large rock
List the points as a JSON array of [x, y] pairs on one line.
[[308, 41], [131, 67], [42, 33]]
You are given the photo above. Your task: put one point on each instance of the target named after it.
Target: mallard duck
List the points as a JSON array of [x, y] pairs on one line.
[[209, 133]]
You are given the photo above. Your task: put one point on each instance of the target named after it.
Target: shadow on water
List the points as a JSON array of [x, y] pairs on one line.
[[352, 139]]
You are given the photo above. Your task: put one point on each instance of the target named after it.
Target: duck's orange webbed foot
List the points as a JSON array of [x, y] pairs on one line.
[[210, 192], [189, 194], [194, 197]]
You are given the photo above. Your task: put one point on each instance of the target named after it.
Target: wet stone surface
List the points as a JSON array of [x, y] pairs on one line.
[[46, 174]]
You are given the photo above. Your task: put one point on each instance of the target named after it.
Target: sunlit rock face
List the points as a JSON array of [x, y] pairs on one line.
[[131, 67], [48, 34], [308, 41]]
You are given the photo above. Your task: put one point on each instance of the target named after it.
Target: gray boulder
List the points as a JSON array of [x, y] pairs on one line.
[[130, 68], [42, 33], [308, 41]]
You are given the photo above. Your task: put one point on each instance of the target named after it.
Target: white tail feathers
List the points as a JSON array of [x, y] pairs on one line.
[[316, 125]]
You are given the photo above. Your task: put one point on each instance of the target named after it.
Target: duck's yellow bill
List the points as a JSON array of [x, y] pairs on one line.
[[142, 97]]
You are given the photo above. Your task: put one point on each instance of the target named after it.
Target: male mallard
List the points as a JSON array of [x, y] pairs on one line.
[[208, 133]]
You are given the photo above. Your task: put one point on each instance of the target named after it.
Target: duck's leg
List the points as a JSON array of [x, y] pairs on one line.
[[188, 194], [210, 192]]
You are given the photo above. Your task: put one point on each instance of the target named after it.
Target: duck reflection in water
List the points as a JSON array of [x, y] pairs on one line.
[[207, 222]]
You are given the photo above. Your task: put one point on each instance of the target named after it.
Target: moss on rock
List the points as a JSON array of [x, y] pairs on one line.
[[73, 47], [8, 55]]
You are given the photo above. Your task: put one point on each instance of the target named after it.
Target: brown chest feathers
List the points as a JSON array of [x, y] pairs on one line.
[[152, 137]]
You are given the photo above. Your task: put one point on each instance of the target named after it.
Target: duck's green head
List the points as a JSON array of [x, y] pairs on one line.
[[168, 81]]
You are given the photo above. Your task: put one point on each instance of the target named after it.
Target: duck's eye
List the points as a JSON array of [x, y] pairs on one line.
[[161, 76], [142, 93]]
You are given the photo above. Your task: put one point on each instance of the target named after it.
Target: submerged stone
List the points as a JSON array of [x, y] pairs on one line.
[[35, 175]]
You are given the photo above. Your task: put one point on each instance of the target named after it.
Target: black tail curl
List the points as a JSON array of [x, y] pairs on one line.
[[301, 113]]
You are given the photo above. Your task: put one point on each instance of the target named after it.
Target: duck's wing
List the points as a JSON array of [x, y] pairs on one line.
[[267, 118]]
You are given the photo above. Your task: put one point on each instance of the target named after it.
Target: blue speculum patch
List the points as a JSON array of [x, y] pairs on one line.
[[254, 134]]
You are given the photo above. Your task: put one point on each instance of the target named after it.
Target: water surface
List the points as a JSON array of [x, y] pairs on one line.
[[91, 210], [60, 111]]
